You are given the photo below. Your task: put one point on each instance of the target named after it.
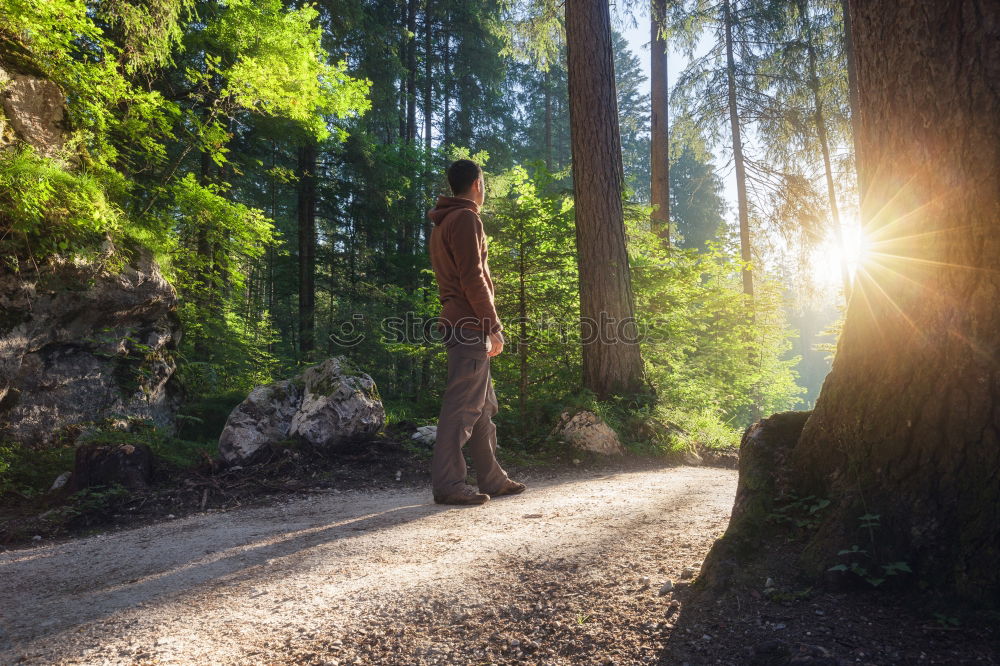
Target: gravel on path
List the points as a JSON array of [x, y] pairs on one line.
[[268, 584]]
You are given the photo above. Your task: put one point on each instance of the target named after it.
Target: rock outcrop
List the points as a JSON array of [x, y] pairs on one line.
[[31, 110], [325, 406], [79, 344], [587, 432]]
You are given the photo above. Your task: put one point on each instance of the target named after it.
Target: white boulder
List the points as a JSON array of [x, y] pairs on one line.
[[327, 404], [339, 404], [586, 431], [260, 420], [426, 435]]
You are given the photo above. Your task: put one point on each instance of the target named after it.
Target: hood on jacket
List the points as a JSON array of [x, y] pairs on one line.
[[446, 205]]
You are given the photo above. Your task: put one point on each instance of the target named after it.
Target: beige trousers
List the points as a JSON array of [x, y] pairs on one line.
[[466, 418]]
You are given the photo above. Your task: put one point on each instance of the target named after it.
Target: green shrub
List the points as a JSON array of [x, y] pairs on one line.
[[30, 472], [50, 210]]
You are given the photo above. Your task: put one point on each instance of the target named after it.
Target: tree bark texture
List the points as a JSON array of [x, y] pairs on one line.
[[907, 426], [659, 185], [610, 365]]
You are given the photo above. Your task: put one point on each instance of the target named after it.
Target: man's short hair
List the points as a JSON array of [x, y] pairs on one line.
[[462, 174]]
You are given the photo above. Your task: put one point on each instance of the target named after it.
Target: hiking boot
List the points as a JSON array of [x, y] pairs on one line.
[[465, 496], [509, 488]]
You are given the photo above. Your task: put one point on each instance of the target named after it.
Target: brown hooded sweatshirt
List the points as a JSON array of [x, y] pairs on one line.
[[458, 255]]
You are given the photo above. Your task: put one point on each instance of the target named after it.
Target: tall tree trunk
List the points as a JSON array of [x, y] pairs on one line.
[[729, 20], [746, 254], [411, 71], [272, 184], [522, 343], [446, 120], [659, 182], [428, 77], [824, 144], [206, 294], [907, 426], [610, 364], [547, 84], [852, 78], [306, 213]]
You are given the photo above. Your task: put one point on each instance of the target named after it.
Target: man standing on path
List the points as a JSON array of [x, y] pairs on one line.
[[471, 336]]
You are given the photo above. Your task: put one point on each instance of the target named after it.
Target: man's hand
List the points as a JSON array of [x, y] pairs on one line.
[[496, 344]]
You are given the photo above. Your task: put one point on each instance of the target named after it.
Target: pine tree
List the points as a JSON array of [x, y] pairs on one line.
[[610, 366]]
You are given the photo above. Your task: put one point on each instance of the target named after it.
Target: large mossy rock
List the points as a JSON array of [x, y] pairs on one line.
[[762, 485], [79, 344], [339, 403], [327, 405], [259, 421], [80, 341]]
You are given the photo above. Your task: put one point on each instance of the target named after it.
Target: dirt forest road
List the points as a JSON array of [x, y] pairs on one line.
[[383, 577]]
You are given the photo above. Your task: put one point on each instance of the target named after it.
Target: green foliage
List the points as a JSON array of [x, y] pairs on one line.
[[175, 452], [189, 120], [90, 503], [29, 472], [534, 268], [800, 512], [203, 417], [260, 56], [864, 563], [48, 209], [696, 202], [149, 86], [660, 428], [704, 429], [708, 347], [832, 331], [633, 118]]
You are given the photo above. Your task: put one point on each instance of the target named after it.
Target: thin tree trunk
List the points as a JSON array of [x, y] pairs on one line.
[[306, 213], [522, 343], [610, 364], [746, 253], [205, 293], [659, 183], [411, 71], [428, 78], [547, 85], [729, 21], [270, 248], [820, 121], [446, 120]]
